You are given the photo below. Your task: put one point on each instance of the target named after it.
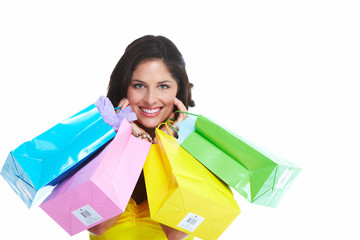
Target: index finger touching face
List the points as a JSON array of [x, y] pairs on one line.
[[123, 103], [181, 107]]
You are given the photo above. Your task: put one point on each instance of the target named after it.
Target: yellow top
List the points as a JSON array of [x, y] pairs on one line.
[[134, 223]]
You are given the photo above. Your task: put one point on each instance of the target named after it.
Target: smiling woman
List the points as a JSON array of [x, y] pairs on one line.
[[151, 78], [151, 93], [151, 70]]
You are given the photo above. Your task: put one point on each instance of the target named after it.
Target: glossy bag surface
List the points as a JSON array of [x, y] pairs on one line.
[[183, 194], [260, 177], [50, 157], [102, 188]]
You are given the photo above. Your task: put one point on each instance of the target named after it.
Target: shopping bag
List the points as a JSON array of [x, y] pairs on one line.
[[135, 223], [102, 188], [50, 157], [183, 194], [260, 177]]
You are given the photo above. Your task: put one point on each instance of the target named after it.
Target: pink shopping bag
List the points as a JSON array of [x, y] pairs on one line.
[[102, 188]]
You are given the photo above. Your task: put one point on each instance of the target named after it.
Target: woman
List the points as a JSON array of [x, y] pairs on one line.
[[151, 78]]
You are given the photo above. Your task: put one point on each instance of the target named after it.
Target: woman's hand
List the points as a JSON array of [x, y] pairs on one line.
[[123, 104], [169, 130], [182, 116], [134, 127], [173, 234]]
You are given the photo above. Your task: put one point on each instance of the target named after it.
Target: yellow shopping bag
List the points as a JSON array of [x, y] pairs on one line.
[[134, 224], [183, 194]]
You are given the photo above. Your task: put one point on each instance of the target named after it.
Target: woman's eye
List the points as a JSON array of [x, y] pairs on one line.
[[163, 87], [138, 85]]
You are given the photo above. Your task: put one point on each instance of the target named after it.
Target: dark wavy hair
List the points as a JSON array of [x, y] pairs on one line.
[[147, 48]]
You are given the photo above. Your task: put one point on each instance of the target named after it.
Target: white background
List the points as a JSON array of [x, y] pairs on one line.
[[283, 74]]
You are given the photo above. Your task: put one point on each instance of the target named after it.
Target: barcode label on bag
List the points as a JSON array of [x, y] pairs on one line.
[[283, 179], [87, 215], [191, 222]]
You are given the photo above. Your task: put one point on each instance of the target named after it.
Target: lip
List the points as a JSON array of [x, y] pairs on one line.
[[150, 112]]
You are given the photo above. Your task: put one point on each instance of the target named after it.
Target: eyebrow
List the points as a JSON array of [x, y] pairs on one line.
[[162, 82], [166, 81], [135, 80]]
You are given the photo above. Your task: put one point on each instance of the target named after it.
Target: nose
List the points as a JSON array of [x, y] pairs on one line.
[[151, 97]]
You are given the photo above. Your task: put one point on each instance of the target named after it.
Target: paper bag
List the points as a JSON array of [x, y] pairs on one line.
[[51, 156], [102, 188], [183, 194], [260, 177]]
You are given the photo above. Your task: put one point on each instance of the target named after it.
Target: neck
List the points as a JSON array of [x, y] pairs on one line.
[[150, 131]]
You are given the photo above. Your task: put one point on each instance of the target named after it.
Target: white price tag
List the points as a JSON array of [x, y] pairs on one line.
[[191, 222], [87, 215]]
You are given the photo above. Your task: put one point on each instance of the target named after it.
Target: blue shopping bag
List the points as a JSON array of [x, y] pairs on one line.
[[50, 157]]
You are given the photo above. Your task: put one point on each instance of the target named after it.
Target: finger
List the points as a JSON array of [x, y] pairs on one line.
[[181, 107], [168, 130], [173, 124], [123, 103], [174, 132]]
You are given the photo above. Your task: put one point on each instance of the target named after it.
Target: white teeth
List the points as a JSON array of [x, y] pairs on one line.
[[150, 110]]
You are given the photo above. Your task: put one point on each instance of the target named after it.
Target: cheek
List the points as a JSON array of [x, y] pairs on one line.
[[133, 97], [168, 100], [169, 97]]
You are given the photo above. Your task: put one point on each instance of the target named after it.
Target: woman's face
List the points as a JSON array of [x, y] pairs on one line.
[[152, 92]]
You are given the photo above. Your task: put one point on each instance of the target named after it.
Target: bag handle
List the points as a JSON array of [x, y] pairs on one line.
[[173, 120], [189, 113], [168, 123]]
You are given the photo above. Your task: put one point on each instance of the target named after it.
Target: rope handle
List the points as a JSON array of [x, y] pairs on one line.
[[168, 122], [189, 113], [173, 120], [115, 109]]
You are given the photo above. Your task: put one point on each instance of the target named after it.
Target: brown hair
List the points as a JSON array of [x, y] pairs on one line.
[[147, 48]]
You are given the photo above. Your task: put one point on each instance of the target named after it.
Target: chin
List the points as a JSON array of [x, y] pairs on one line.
[[150, 124]]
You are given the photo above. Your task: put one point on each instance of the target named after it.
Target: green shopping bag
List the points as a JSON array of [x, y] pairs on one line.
[[259, 177]]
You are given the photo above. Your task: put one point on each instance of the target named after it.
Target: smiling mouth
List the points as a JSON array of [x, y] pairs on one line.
[[150, 112]]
